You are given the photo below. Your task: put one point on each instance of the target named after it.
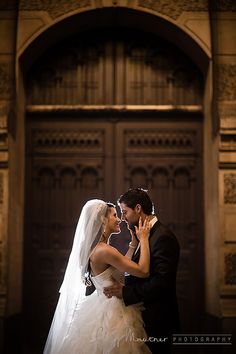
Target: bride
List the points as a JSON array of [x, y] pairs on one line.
[[96, 324]]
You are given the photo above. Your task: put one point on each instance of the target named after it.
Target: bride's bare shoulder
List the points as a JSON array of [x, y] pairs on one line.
[[101, 250]]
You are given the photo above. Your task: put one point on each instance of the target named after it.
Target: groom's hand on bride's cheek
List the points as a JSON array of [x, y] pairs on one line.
[[114, 290]]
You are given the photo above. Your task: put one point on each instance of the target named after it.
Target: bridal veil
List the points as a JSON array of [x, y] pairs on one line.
[[88, 233]]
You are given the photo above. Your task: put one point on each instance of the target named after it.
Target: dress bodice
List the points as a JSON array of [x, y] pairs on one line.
[[104, 279]]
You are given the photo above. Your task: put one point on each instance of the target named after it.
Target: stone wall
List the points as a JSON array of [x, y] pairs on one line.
[[225, 101]]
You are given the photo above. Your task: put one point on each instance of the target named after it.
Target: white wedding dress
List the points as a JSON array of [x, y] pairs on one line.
[[105, 326]]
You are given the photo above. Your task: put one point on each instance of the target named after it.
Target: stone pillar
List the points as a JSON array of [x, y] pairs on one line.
[[224, 54], [8, 18]]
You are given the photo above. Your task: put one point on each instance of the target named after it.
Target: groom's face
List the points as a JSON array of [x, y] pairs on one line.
[[130, 216]]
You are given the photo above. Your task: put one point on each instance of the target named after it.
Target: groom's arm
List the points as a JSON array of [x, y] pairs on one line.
[[164, 259]]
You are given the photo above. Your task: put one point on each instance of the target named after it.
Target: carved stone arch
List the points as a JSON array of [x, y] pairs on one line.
[[136, 18]]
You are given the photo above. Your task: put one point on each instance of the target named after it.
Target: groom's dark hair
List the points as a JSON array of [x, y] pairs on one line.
[[137, 196]]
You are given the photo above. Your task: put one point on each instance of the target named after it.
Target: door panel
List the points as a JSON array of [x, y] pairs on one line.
[[165, 158], [67, 164], [70, 162]]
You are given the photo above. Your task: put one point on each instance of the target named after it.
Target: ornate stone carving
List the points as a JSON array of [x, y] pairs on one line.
[[227, 114], [174, 8], [171, 8], [1, 190], [226, 85], [228, 142], [230, 268], [5, 81], [54, 7], [227, 109], [230, 188], [3, 141]]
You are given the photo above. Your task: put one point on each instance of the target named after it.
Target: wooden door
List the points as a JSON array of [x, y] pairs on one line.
[[70, 162], [166, 159]]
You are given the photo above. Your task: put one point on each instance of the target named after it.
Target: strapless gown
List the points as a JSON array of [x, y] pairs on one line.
[[105, 326]]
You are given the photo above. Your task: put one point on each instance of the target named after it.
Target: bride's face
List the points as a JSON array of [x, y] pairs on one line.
[[113, 224]]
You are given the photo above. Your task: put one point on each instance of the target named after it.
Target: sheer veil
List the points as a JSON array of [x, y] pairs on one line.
[[88, 233]]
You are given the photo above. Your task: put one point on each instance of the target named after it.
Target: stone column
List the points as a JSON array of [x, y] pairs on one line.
[[224, 53], [8, 17]]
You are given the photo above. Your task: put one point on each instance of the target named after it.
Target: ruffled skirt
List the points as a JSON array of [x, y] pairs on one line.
[[105, 326]]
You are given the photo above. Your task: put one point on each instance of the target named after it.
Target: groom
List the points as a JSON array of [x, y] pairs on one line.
[[158, 291]]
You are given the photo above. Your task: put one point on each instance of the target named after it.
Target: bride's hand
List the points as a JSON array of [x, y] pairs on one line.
[[143, 229]]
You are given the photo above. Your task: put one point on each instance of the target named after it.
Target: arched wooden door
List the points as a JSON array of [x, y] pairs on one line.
[[94, 130]]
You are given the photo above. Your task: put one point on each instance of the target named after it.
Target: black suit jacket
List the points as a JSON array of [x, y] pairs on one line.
[[158, 291]]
